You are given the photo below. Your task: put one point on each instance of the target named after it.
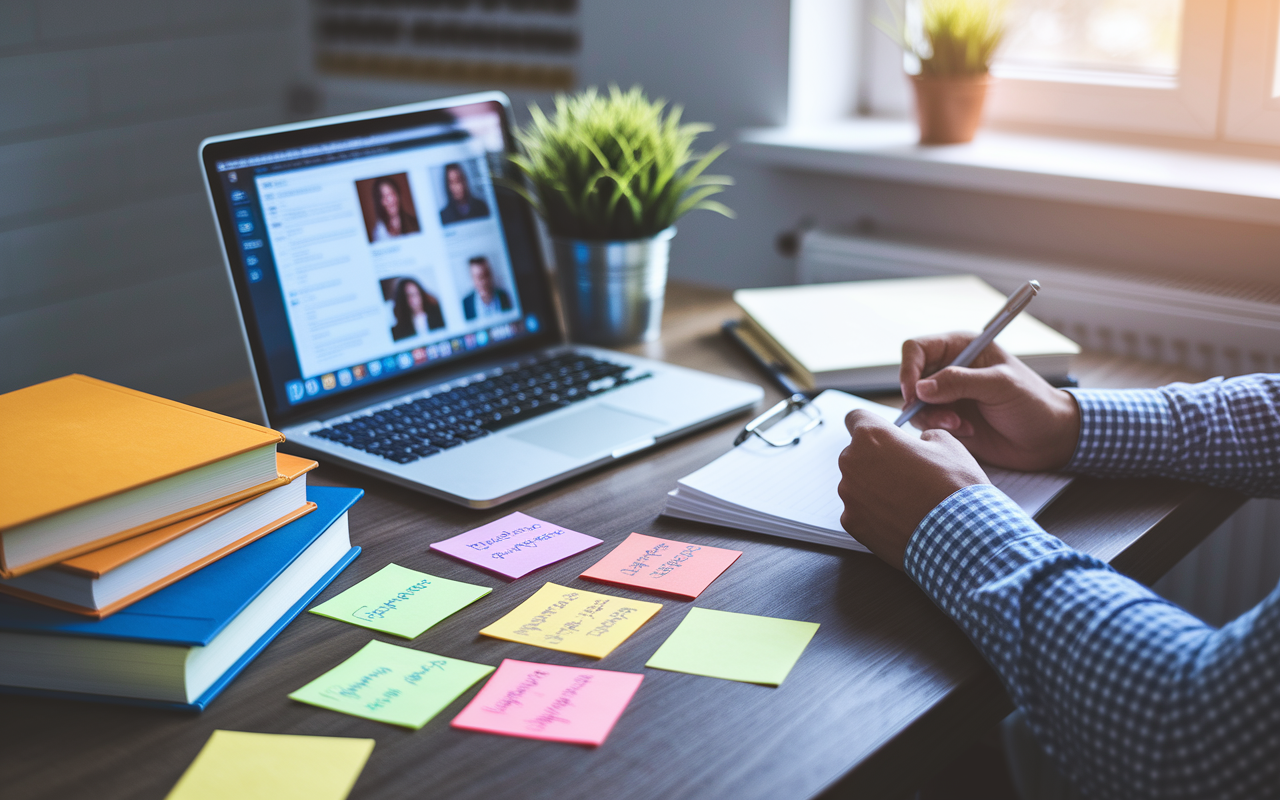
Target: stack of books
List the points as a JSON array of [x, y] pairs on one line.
[[148, 549]]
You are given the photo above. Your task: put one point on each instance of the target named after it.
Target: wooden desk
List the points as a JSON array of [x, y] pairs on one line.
[[888, 688]]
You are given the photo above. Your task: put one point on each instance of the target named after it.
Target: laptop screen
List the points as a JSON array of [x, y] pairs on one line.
[[366, 251]]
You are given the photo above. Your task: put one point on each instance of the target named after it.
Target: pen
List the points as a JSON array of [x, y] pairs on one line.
[[1017, 301]]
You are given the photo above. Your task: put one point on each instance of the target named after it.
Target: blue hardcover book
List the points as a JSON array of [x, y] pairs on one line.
[[182, 645]]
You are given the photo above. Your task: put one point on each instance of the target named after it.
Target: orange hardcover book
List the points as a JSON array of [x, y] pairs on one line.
[[88, 463], [101, 582]]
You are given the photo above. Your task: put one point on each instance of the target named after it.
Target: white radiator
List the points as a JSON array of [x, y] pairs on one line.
[[1213, 327]]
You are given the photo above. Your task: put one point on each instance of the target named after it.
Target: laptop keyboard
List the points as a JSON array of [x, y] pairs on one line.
[[419, 428]]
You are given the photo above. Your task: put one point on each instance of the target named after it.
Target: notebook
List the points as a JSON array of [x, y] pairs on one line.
[[182, 645], [791, 491], [87, 463], [850, 335]]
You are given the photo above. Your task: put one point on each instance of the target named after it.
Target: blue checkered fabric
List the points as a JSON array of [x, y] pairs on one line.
[[1131, 695]]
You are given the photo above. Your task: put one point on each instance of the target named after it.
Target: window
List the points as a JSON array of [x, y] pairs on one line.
[[1200, 69]]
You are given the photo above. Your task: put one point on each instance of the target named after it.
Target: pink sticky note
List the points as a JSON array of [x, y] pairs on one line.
[[545, 701], [516, 545], [662, 565]]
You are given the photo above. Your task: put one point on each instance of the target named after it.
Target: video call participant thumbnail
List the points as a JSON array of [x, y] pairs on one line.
[[416, 310], [388, 207], [487, 300], [462, 205]]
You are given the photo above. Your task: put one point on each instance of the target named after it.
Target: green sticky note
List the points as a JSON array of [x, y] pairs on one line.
[[400, 601], [736, 647], [268, 766], [392, 684]]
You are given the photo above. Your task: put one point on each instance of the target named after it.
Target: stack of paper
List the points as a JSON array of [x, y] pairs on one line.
[[791, 491]]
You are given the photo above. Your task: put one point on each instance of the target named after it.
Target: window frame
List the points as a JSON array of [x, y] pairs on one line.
[[1252, 104], [1186, 105]]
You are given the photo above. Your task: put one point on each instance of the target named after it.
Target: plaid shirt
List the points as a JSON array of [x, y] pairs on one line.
[[1131, 695]]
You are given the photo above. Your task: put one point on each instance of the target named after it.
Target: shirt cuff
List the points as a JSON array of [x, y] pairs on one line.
[[1122, 432], [973, 537]]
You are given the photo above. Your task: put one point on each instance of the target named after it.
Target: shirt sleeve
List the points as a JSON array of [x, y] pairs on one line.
[[1131, 695], [1220, 432]]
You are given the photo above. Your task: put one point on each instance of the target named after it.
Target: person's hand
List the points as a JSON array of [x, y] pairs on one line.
[[999, 408], [890, 480]]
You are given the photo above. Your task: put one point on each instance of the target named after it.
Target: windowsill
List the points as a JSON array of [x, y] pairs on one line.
[[1127, 176]]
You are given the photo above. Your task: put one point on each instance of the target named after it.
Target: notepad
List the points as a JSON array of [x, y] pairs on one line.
[[400, 601], [573, 621], [268, 766], [396, 685], [550, 702], [734, 647], [791, 491]]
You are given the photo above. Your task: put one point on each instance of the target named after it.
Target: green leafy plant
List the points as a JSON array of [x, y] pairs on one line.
[[956, 37], [614, 166]]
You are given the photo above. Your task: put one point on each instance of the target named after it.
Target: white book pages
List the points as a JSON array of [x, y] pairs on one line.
[[791, 491]]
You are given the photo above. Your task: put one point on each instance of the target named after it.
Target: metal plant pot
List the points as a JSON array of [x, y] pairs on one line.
[[612, 292]]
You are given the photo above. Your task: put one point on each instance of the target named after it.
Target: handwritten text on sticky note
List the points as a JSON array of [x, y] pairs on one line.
[[545, 701], [662, 565], [516, 545], [573, 621], [392, 684], [400, 601]]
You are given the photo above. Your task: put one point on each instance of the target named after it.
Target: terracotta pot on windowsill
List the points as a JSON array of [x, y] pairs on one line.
[[949, 109]]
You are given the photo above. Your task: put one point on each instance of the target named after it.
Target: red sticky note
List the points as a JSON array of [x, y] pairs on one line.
[[549, 702], [662, 565]]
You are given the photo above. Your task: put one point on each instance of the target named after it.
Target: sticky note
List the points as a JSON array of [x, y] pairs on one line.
[[544, 701], [400, 601], [516, 545], [573, 621], [736, 647], [392, 684], [662, 565], [268, 766]]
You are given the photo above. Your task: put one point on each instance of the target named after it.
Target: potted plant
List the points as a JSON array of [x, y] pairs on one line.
[[610, 174], [955, 43]]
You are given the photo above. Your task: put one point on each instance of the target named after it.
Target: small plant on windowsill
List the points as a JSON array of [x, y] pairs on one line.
[[955, 43]]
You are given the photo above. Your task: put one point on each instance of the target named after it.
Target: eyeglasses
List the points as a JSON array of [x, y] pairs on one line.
[[795, 403]]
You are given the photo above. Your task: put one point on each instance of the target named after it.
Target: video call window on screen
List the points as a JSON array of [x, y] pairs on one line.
[[388, 207], [388, 259], [375, 254]]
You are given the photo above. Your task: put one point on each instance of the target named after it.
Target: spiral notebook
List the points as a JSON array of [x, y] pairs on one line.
[[791, 491]]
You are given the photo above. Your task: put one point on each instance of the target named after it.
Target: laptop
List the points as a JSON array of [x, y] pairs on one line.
[[400, 318]]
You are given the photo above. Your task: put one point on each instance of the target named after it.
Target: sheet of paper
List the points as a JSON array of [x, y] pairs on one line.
[[400, 601], [516, 545], [798, 484], [392, 684], [736, 647], [268, 766], [662, 565], [544, 701], [573, 621]]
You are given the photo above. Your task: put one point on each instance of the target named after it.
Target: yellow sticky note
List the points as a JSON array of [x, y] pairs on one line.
[[268, 766], [573, 621]]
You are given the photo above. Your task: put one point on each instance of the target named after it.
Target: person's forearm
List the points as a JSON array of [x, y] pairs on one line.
[[1225, 433], [1133, 696]]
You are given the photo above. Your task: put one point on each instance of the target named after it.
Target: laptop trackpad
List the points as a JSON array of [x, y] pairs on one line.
[[589, 431]]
